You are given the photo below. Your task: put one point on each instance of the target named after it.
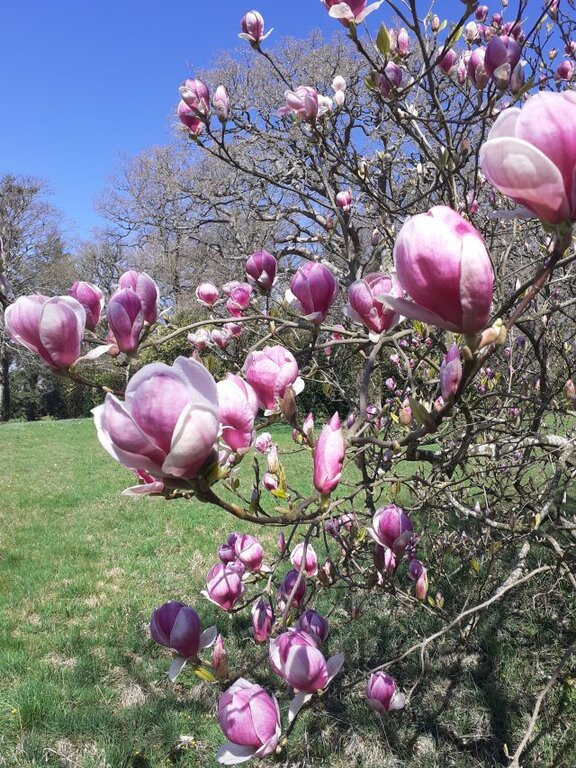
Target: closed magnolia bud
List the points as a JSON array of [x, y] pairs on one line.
[[435, 23], [146, 290], [382, 693], [125, 318], [261, 270], [91, 298], [570, 389], [207, 294], [221, 103], [450, 372], [252, 25], [262, 619], [313, 290], [315, 625], [329, 453], [307, 562]]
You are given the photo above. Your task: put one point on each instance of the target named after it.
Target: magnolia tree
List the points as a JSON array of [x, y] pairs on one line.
[[423, 202]]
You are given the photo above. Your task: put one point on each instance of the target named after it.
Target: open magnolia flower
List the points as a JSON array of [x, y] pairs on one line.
[[350, 11], [530, 155]]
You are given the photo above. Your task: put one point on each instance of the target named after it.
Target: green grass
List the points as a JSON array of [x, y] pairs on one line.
[[81, 683]]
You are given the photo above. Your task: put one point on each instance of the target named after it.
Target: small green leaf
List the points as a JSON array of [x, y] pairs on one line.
[[383, 40]]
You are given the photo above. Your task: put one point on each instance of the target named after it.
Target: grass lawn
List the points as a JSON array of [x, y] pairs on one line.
[[81, 683]]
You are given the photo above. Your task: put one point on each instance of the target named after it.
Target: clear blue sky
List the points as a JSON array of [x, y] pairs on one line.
[[83, 83]]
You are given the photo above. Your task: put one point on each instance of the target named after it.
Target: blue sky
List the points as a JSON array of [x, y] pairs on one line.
[[83, 83]]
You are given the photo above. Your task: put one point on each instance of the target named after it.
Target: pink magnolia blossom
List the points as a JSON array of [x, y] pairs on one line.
[[125, 318], [450, 372], [168, 422], [530, 155], [392, 528], [402, 42], [250, 719], [238, 406], [291, 580], [221, 103], [382, 693], [270, 371], [447, 60], [224, 585], [476, 70], [91, 298], [52, 328], [329, 453], [306, 103], [196, 95], [239, 299], [261, 270], [207, 294], [252, 25], [442, 263], [262, 619], [365, 304], [263, 442], [200, 339], [295, 656], [308, 563], [190, 119], [389, 80], [146, 290], [177, 626], [502, 55], [418, 573], [315, 625], [313, 290], [221, 337], [249, 551], [344, 199], [350, 11]]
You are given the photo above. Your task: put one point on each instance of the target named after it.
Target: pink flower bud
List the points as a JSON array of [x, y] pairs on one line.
[[570, 390], [281, 543], [239, 299], [290, 580], [308, 426], [446, 60], [307, 564], [530, 155], [262, 620], [382, 693], [450, 372], [125, 318], [200, 339], [238, 407], [565, 71], [91, 298], [190, 119], [249, 551], [344, 199], [442, 263], [227, 553], [502, 56], [313, 290], [221, 337], [196, 95], [52, 328], [391, 528], [295, 656], [261, 270], [389, 80], [365, 303], [304, 103], [471, 32], [252, 25], [263, 442], [270, 481], [315, 625], [221, 103], [168, 422], [207, 294], [402, 42], [146, 290], [481, 13], [476, 70], [405, 413], [329, 453], [417, 572], [269, 371], [250, 719], [224, 585]]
